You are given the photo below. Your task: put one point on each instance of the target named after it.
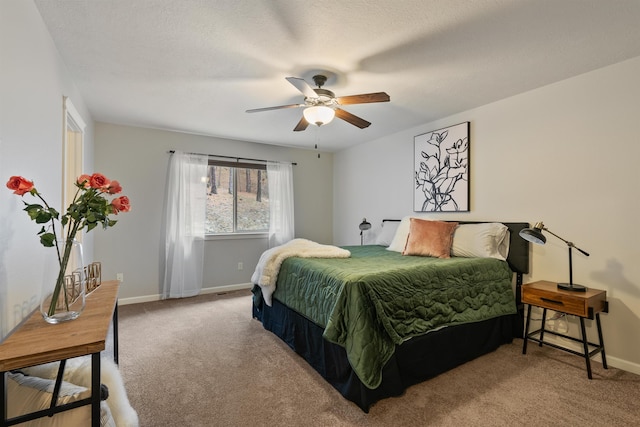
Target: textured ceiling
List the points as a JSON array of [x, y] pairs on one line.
[[197, 65]]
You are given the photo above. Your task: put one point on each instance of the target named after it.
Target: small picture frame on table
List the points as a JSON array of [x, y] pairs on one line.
[[93, 276]]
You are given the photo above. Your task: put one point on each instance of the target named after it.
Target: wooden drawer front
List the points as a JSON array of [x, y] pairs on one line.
[[555, 301]]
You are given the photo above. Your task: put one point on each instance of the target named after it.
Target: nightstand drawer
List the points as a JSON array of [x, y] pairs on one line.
[[554, 301], [547, 295]]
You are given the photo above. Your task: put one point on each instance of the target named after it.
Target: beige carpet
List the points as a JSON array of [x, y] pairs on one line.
[[204, 361]]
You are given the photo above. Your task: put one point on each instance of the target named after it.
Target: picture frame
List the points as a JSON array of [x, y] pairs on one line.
[[441, 170]]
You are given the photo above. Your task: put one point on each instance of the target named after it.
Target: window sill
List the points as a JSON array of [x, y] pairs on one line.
[[236, 236]]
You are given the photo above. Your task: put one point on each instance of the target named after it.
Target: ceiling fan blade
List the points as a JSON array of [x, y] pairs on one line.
[[302, 86], [302, 125], [364, 98], [257, 110], [350, 118]]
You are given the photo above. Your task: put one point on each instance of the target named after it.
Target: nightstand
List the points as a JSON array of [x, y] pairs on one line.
[[585, 305]]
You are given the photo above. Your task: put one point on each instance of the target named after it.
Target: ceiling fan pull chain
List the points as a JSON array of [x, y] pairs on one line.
[[317, 139]]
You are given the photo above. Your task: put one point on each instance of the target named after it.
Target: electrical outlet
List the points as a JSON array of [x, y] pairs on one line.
[[240, 266], [120, 277]]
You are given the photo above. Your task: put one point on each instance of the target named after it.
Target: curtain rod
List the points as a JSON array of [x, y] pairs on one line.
[[234, 158]]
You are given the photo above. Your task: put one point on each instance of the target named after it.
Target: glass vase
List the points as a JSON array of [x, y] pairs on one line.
[[63, 284]]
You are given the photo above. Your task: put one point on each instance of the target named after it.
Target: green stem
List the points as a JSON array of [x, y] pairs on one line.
[[63, 260], [53, 223], [63, 266]]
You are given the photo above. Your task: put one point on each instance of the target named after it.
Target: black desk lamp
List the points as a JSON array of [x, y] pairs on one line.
[[535, 235], [364, 225]]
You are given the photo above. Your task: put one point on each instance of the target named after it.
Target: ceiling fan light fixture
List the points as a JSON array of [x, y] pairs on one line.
[[319, 115], [322, 105]]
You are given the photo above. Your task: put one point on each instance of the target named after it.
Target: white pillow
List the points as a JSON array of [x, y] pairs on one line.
[[486, 240], [386, 234], [400, 238]]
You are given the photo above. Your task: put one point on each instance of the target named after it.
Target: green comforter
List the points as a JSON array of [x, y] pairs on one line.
[[377, 299]]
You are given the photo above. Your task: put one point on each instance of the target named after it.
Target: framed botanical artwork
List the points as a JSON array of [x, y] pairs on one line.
[[441, 170]]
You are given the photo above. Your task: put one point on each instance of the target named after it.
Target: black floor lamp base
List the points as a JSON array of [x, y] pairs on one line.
[[572, 287]]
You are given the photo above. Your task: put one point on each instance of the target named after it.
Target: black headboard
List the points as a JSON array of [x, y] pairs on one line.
[[518, 257]]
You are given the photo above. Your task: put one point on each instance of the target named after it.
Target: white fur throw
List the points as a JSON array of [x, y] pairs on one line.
[[266, 273], [78, 371]]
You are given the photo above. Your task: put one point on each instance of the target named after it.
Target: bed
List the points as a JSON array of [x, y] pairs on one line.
[[378, 321]]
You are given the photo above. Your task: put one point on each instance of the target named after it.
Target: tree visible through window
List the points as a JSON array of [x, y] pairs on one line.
[[237, 198]]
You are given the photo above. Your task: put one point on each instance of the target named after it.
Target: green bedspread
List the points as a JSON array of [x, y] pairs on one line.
[[378, 298]]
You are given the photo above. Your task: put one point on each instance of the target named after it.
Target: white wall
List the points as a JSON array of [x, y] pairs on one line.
[[566, 154], [138, 159], [33, 81]]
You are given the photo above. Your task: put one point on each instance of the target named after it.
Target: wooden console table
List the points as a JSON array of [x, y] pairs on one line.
[[36, 342]]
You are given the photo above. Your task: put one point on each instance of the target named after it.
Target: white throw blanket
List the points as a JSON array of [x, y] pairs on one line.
[[268, 267], [78, 371]]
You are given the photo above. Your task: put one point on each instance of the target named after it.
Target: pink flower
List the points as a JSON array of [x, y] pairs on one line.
[[99, 181], [121, 204], [83, 181], [88, 209], [19, 185], [114, 187]]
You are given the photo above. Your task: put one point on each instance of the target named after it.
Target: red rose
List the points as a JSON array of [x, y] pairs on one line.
[[99, 181], [84, 181], [19, 185], [114, 187], [121, 204]]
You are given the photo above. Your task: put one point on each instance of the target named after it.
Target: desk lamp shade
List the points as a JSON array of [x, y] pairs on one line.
[[534, 235], [364, 225]]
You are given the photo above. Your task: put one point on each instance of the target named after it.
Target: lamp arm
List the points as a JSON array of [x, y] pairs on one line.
[[570, 244], [585, 253]]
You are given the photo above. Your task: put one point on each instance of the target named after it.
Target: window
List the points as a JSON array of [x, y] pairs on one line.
[[237, 198]]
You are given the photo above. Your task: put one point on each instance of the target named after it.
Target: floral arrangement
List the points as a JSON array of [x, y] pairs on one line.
[[88, 209]]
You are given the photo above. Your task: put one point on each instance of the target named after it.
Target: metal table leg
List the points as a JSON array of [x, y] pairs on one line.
[[604, 357], [95, 389], [585, 345], [544, 319], [3, 398], [526, 330]]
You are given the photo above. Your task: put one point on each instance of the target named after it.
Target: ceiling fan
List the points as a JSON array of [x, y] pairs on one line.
[[321, 105]]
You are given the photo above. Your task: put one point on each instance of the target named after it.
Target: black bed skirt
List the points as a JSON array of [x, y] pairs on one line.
[[414, 361]]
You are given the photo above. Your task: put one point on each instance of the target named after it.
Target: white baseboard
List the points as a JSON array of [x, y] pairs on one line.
[[625, 365], [211, 290]]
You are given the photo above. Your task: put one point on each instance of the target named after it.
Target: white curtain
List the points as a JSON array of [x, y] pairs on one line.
[[281, 222], [186, 197]]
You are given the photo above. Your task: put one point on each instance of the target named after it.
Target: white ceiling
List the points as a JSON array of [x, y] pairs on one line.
[[197, 65]]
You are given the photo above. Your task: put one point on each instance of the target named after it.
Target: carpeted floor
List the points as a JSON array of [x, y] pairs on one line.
[[204, 361]]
